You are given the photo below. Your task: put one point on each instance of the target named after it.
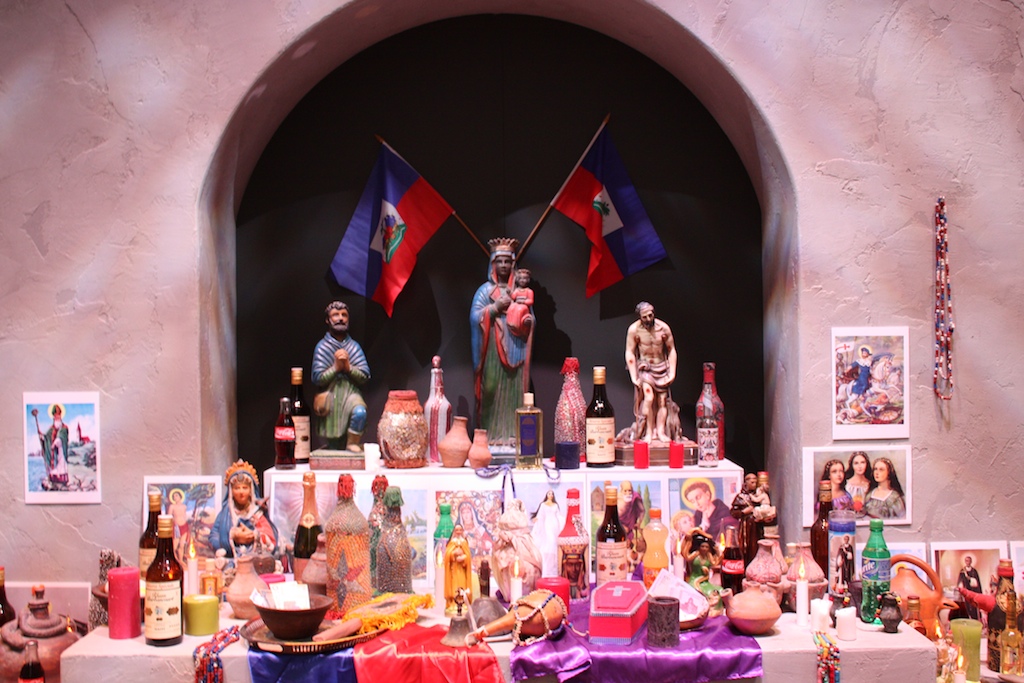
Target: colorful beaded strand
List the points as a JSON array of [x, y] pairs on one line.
[[206, 657], [942, 380]]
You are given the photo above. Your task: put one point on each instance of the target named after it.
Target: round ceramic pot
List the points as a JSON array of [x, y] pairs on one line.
[[454, 447]]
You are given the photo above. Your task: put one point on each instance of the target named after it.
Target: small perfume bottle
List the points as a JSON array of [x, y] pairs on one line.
[[529, 435]]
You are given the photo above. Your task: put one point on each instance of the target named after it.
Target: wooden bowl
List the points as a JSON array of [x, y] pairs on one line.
[[296, 624]]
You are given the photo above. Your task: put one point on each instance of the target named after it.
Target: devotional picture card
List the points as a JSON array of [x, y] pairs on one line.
[[869, 383], [702, 501], [477, 510], [871, 480], [971, 564], [1017, 555], [193, 503], [634, 497], [62, 447]]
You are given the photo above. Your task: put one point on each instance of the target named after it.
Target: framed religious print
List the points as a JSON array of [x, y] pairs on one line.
[[193, 504], [873, 481], [702, 501], [1017, 556], [970, 565], [869, 390], [62, 447]]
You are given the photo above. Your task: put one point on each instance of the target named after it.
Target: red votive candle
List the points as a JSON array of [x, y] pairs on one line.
[[124, 611], [641, 455], [559, 585], [676, 454]]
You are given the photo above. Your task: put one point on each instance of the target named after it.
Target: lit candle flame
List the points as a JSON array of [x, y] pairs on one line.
[[439, 555], [515, 568], [938, 631], [679, 547], [721, 542], [192, 549], [800, 571], [960, 662]]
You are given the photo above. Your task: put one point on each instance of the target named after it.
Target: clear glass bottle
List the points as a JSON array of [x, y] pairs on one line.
[[164, 589], [300, 419], [284, 437], [6, 611], [32, 669], [819, 529], [874, 570], [1010, 640], [574, 548], [600, 424], [612, 552], [529, 435], [913, 618], [710, 405], [437, 410], [147, 542], [309, 526], [655, 556]]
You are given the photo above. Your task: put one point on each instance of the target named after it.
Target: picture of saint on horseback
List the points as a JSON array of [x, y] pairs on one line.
[[869, 383]]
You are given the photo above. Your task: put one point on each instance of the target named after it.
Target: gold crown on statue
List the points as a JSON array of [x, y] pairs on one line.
[[239, 466], [503, 245]]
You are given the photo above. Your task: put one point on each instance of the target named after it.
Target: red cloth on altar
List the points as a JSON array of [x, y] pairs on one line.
[[415, 653]]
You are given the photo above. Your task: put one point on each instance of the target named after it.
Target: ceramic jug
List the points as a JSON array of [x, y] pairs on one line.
[[753, 612], [905, 582]]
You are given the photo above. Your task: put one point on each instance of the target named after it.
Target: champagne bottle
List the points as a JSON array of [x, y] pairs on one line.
[[147, 543], [300, 418], [710, 405], [600, 424], [874, 571], [6, 611], [819, 529], [732, 561], [164, 588], [612, 553], [32, 669], [284, 437], [309, 526], [529, 435]]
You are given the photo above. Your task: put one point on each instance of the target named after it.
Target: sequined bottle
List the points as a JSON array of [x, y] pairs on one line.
[[571, 408], [394, 554], [374, 520], [348, 551]]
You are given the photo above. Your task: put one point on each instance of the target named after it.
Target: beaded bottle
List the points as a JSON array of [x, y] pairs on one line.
[[348, 551], [394, 554]]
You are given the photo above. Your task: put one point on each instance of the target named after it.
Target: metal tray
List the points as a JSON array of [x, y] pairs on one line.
[[260, 638]]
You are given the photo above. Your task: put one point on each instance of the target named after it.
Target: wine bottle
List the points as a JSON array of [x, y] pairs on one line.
[[164, 588], [612, 553], [6, 611], [819, 529], [529, 435], [874, 570], [309, 524], [32, 669], [710, 405], [147, 543], [300, 418], [284, 437], [600, 424], [732, 561]]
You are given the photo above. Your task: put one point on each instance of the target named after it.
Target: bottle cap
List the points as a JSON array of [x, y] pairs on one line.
[[165, 526], [655, 513], [1005, 568], [296, 375], [309, 477], [528, 399], [610, 493], [599, 374], [210, 564], [155, 499], [876, 525]]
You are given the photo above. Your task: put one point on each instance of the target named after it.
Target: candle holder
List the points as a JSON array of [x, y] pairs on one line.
[[662, 621]]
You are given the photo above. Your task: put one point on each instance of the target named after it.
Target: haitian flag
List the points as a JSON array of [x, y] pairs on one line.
[[396, 215], [599, 196]]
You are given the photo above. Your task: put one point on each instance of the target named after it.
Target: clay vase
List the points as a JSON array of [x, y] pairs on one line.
[[479, 452], [752, 612], [889, 612], [905, 582], [245, 581], [455, 445], [817, 582], [315, 573], [763, 571], [402, 431]]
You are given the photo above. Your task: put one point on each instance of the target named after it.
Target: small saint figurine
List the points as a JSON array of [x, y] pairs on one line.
[[339, 370], [458, 570], [515, 542], [242, 519], [651, 361], [519, 313]]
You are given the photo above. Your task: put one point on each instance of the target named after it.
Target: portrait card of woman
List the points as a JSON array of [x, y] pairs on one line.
[[872, 481], [869, 387]]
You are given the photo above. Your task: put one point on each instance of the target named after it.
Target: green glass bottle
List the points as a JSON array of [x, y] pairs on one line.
[[874, 571]]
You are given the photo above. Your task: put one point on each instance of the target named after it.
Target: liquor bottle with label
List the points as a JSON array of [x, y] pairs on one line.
[[732, 561], [913, 618], [6, 611], [300, 418], [997, 616], [612, 553], [874, 571], [284, 437], [309, 526], [600, 424], [707, 441], [32, 669], [655, 556], [164, 587], [574, 548], [819, 529], [1010, 639], [529, 435], [147, 543], [710, 405]]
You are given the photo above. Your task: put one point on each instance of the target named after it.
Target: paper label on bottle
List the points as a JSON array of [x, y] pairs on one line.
[[146, 556], [612, 561], [284, 433], [302, 433], [707, 441], [732, 566], [31, 680], [601, 440], [875, 569], [163, 610], [528, 434]]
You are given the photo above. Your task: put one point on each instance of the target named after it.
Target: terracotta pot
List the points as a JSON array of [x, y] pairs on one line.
[[905, 582], [315, 573], [39, 624], [455, 445], [764, 572], [752, 612], [246, 579], [402, 431], [479, 452], [817, 582]]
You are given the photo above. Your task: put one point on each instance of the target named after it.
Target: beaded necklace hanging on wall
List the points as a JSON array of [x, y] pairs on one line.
[[942, 379]]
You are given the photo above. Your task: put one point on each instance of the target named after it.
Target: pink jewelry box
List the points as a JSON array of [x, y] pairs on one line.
[[618, 609]]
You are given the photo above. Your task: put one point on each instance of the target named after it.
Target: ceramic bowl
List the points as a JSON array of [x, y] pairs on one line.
[[296, 624]]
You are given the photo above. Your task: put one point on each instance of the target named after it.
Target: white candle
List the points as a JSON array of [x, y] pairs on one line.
[[678, 561], [439, 573], [803, 602], [846, 623], [819, 614], [192, 584], [516, 583], [959, 676]]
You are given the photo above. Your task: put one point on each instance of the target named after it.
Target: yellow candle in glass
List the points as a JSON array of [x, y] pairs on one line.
[[967, 635], [202, 617]]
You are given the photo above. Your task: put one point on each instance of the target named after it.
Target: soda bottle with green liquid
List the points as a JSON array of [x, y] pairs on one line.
[[874, 571]]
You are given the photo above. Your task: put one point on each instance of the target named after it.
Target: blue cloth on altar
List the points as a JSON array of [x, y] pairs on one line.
[[332, 667], [712, 652]]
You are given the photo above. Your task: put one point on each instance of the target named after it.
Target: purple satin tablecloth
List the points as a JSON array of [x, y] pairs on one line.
[[713, 652]]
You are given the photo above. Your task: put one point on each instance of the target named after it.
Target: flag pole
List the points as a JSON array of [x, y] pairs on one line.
[[547, 211], [457, 216]]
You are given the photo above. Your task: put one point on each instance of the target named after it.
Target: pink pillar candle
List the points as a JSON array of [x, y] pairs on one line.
[[559, 585], [124, 607], [641, 455]]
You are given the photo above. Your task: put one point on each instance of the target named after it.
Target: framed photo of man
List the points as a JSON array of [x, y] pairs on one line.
[[970, 565], [872, 481], [869, 383]]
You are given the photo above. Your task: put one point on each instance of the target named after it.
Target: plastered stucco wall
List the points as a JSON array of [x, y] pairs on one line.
[[127, 130]]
